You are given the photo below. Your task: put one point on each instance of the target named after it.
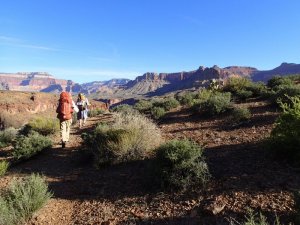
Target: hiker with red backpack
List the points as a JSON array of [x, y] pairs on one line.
[[64, 114]]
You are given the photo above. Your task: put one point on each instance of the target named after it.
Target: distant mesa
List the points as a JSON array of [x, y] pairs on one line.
[[148, 84]]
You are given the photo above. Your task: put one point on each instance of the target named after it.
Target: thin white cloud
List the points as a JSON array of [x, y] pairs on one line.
[[16, 42]]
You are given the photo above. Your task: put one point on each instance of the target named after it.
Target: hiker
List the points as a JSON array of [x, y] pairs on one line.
[[82, 104], [64, 114]]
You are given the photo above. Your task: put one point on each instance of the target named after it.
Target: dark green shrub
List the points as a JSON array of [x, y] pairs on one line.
[[259, 89], [244, 94], [158, 112], [27, 146], [95, 112], [122, 108], [258, 219], [7, 136], [186, 98], [42, 125], [277, 81], [143, 106], [284, 93], [167, 103], [216, 104], [181, 165], [240, 115], [22, 199], [132, 136], [3, 167], [285, 137]]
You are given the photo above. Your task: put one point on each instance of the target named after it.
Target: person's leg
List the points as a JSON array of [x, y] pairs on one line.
[[63, 129], [68, 128]]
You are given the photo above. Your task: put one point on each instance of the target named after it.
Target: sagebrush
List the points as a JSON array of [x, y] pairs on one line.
[[22, 199], [7, 136], [132, 136], [179, 164], [28, 146]]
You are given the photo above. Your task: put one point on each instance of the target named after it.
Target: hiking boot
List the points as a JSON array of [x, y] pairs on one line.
[[63, 144]]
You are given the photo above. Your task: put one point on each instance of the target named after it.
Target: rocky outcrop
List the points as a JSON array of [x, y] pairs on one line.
[[33, 81], [283, 70]]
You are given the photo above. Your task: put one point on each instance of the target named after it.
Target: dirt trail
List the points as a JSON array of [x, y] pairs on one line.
[[61, 168]]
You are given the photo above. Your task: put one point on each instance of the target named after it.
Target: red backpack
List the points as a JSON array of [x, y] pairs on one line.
[[64, 108]]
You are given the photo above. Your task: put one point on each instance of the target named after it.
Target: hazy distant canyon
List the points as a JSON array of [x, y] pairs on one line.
[[148, 84]]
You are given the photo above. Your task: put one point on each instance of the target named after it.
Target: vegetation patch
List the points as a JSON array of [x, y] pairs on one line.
[[285, 137], [158, 112], [179, 164], [27, 146], [3, 167], [132, 136], [43, 125], [7, 136], [95, 112], [240, 115], [22, 199]]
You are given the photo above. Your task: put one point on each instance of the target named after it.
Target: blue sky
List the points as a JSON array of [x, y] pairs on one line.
[[87, 40]]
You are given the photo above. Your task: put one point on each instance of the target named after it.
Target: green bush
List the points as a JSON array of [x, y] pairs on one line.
[[235, 84], [42, 125], [95, 112], [284, 93], [132, 136], [259, 89], [181, 165], [122, 108], [143, 106], [3, 167], [240, 115], [186, 98], [7, 136], [27, 146], [167, 103], [278, 81], [22, 199], [285, 137], [258, 219], [216, 104], [244, 94], [158, 112]]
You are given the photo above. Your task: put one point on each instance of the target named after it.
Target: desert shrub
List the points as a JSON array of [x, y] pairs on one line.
[[179, 164], [257, 219], [278, 81], [167, 103], [158, 112], [186, 98], [244, 94], [240, 115], [132, 136], [7, 136], [95, 112], [283, 93], [285, 137], [235, 84], [259, 89], [3, 167], [143, 106], [8, 120], [22, 199], [42, 125], [122, 108], [27, 146], [216, 104]]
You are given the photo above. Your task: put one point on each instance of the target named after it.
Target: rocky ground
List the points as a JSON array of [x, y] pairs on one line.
[[244, 175]]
